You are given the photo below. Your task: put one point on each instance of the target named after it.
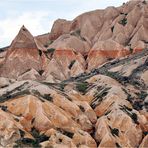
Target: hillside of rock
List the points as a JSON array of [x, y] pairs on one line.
[[77, 46], [106, 107], [83, 85]]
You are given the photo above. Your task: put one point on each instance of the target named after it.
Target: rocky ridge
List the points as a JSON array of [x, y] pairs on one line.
[[84, 84], [71, 48]]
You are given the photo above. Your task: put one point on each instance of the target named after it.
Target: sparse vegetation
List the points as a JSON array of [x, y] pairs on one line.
[[48, 97], [131, 50], [114, 131], [142, 95], [82, 87], [66, 133], [117, 76], [62, 86], [128, 112], [71, 64], [123, 21], [50, 50], [77, 33], [27, 142], [98, 97]]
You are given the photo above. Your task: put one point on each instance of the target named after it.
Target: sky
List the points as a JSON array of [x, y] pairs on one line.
[[38, 15]]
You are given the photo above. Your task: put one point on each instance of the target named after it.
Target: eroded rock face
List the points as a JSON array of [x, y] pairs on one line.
[[96, 37], [78, 86], [65, 63], [23, 54], [103, 108]]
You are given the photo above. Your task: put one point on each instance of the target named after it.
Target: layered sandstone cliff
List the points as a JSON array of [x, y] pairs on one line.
[[80, 45]]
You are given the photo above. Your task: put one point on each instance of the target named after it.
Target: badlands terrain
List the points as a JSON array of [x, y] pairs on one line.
[[82, 85]]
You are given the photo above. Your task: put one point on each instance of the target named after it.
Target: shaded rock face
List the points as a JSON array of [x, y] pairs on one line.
[[104, 108], [23, 54]]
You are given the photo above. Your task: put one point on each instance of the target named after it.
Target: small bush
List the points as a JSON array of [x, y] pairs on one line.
[[129, 113], [27, 142], [114, 131], [62, 86], [82, 87], [50, 50], [71, 64], [123, 21], [66, 133], [131, 50], [48, 97], [142, 95]]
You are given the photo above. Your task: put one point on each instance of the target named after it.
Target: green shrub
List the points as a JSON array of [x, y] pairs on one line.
[[131, 50], [62, 86], [82, 87], [71, 64], [48, 97], [27, 142], [50, 50], [114, 131], [66, 133], [129, 112], [123, 21]]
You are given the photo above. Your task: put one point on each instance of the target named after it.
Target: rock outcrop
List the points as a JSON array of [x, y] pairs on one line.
[[84, 84], [90, 40], [104, 108], [22, 54]]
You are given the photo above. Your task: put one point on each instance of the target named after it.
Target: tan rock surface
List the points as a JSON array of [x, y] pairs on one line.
[[82, 85], [23, 52]]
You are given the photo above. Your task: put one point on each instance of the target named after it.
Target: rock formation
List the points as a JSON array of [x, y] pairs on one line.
[[84, 84], [22, 54]]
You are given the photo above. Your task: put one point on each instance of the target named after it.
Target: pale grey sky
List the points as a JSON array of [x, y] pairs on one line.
[[39, 15]]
